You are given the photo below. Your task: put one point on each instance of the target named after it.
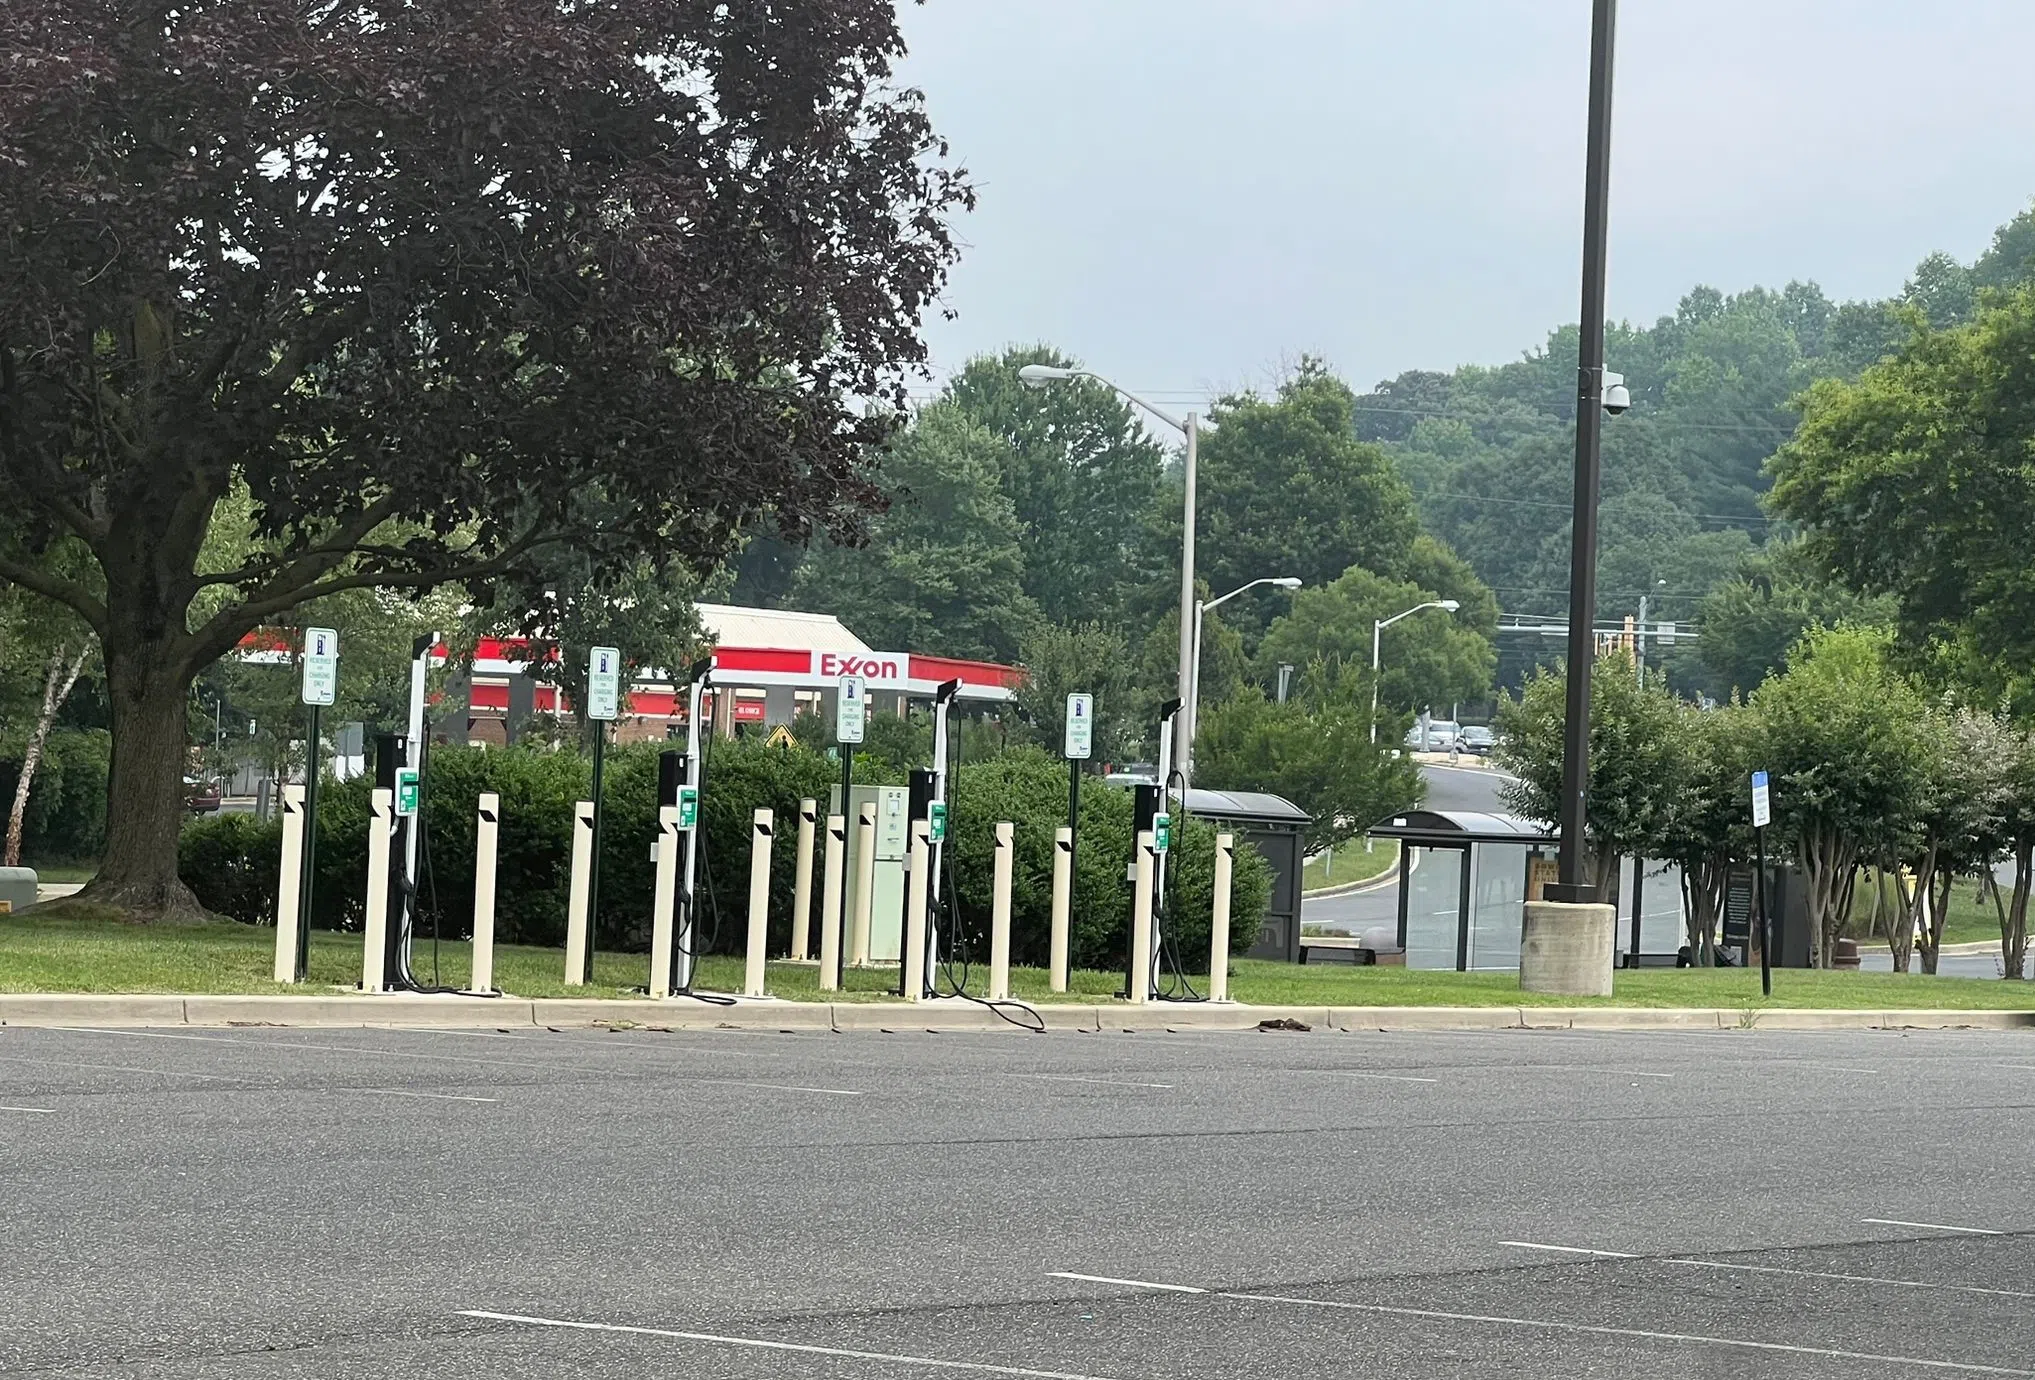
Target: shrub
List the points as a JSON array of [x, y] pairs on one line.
[[231, 863]]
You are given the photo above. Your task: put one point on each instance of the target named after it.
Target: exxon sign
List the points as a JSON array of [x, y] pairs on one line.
[[875, 668]]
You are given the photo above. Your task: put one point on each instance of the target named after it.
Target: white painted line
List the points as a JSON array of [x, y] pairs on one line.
[[1103, 1082], [758, 1343], [1832, 1068], [1569, 1250], [1931, 1226], [46, 1111], [119, 1068], [1387, 1077], [442, 1097], [776, 1087], [1596, 1330], [1126, 1283], [1592, 1068]]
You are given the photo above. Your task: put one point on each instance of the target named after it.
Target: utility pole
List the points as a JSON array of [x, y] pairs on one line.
[[1574, 886]]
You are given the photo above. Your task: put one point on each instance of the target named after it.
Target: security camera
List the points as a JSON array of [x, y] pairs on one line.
[[1617, 397]]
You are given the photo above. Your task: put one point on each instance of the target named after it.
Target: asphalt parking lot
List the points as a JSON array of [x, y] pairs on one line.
[[287, 1203]]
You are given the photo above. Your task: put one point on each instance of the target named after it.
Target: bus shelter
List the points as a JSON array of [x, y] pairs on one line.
[[1464, 877]]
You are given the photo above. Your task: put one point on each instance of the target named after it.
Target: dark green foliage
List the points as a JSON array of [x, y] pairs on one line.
[[66, 815], [230, 864]]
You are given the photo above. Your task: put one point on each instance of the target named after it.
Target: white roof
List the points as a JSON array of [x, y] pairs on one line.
[[734, 626]]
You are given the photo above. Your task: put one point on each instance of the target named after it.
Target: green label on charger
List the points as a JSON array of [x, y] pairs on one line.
[[1162, 832], [406, 791], [936, 822], [688, 806]]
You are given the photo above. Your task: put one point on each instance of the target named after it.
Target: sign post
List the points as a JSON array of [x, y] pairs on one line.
[[320, 688], [1762, 815], [851, 716], [1078, 748], [603, 706]]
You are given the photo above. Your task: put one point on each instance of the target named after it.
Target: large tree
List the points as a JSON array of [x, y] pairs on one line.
[[422, 280], [1432, 658]]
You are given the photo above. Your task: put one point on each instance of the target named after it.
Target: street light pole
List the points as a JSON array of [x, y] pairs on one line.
[[1573, 854], [1183, 724], [1378, 627], [1193, 696]]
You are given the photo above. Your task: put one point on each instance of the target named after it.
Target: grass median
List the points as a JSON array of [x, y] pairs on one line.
[[81, 952]]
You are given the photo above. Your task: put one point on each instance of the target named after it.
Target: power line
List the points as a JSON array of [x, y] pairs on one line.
[[1733, 519]]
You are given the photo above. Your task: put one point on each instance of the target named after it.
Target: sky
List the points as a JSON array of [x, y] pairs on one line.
[[1188, 195]]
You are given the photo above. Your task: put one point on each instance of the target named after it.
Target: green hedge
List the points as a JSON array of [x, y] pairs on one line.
[[231, 861]]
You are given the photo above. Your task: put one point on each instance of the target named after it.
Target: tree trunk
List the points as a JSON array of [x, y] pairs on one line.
[[56, 688], [2014, 924], [145, 788]]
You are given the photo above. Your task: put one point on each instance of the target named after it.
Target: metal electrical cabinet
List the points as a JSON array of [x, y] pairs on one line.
[[893, 835]]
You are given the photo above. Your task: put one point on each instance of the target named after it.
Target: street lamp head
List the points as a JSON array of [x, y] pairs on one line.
[[1288, 582], [1040, 375], [1451, 605]]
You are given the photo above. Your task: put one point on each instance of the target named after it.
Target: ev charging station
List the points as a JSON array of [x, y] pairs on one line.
[[1147, 872]]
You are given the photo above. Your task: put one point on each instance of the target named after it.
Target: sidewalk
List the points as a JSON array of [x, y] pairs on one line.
[[506, 1013]]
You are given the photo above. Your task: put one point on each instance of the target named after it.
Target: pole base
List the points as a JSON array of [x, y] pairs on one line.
[[1566, 949]]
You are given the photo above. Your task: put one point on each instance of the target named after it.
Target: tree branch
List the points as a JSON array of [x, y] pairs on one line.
[[69, 593]]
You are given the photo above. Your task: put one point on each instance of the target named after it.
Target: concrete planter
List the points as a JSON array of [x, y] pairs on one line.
[[1567, 949]]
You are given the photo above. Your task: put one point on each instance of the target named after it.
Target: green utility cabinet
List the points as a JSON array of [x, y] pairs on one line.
[[893, 837]]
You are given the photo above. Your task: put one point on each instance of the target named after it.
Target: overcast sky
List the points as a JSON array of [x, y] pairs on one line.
[[1188, 193]]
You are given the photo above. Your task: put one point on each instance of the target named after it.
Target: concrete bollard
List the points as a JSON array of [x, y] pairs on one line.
[[381, 825], [1218, 930], [999, 915], [664, 901], [1567, 949], [1063, 898], [759, 903], [830, 903], [576, 918], [916, 893], [1141, 922], [287, 883], [865, 883], [802, 879], [486, 830]]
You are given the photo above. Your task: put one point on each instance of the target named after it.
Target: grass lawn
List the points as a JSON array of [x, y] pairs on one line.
[[1970, 921], [80, 953], [1349, 862], [58, 873]]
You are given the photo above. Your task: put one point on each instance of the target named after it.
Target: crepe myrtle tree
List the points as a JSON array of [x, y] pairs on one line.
[[436, 287]]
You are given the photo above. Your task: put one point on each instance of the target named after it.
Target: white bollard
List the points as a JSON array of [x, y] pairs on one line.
[[1141, 923], [830, 902], [288, 882], [915, 897], [664, 901], [486, 830], [865, 883], [802, 879], [1218, 930], [576, 918], [759, 903], [374, 939], [1063, 897], [999, 915]]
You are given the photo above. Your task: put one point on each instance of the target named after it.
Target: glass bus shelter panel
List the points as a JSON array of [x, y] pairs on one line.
[[1497, 903], [1433, 907]]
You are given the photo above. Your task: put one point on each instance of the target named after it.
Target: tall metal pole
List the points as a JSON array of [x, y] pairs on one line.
[[1183, 725], [1574, 853], [593, 895], [1377, 632], [308, 858]]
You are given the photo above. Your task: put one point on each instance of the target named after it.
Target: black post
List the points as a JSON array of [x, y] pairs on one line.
[[593, 880], [307, 860], [1589, 462], [842, 920], [1073, 837], [1766, 922], [1638, 906]]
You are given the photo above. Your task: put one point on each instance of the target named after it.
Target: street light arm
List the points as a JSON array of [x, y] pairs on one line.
[[1450, 604], [1286, 581], [1168, 418]]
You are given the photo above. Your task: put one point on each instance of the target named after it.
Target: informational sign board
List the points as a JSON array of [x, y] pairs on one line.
[[1762, 802], [321, 666], [1080, 727], [604, 684], [1162, 833], [851, 710], [688, 806], [1666, 631], [406, 791], [936, 821]]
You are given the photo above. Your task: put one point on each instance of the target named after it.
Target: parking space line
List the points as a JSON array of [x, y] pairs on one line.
[[1069, 1078], [1931, 1226], [442, 1097], [46, 1111], [1386, 1077], [761, 1344], [774, 1087], [117, 1068], [1697, 1262], [1642, 1334], [1127, 1283]]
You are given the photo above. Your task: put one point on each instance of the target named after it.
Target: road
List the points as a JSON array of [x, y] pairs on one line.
[[1448, 788], [263, 1203]]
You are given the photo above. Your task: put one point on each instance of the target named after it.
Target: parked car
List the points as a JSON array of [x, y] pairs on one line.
[[1478, 740], [202, 797], [1441, 733]]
